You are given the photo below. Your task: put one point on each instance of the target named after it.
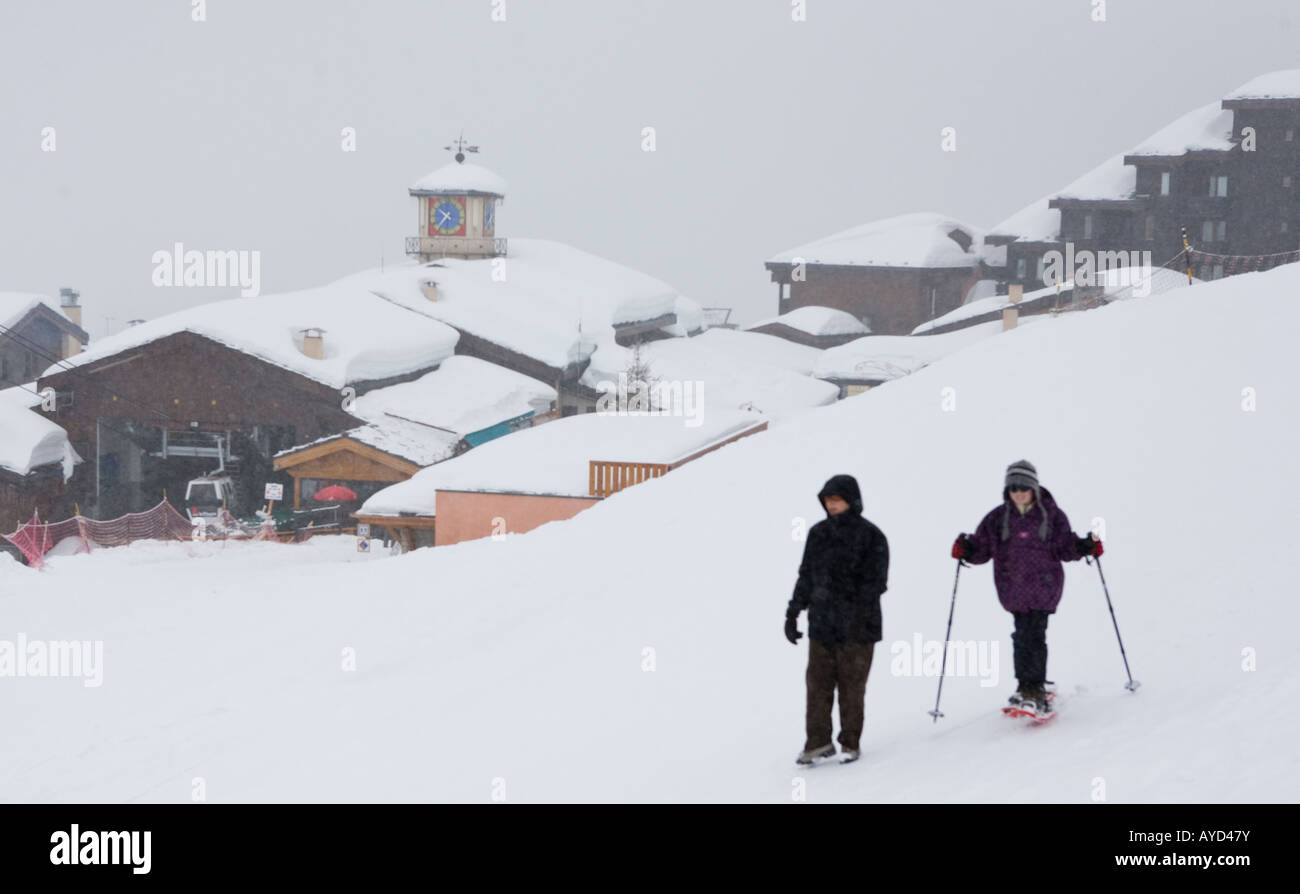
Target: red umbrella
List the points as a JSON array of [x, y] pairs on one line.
[[335, 492]]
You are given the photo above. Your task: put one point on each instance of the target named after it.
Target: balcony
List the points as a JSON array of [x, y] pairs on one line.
[[606, 477], [429, 247]]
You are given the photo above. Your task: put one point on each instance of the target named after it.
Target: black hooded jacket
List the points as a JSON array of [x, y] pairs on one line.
[[844, 570]]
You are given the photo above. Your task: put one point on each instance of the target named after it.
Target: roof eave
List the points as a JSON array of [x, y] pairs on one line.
[[455, 192]]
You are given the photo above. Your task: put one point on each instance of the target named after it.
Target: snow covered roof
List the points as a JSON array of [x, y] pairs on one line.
[[553, 304], [1274, 85], [457, 178], [16, 305], [817, 320], [422, 421], [1209, 127], [547, 292], [690, 317], [29, 440], [365, 337], [725, 369], [415, 443], [909, 240], [463, 395], [1124, 282], [757, 347], [1112, 179], [884, 357], [554, 458]]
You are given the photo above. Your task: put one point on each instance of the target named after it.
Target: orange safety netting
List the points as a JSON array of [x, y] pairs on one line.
[[162, 522]]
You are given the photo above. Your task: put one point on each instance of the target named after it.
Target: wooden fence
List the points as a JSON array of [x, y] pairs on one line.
[[609, 476]]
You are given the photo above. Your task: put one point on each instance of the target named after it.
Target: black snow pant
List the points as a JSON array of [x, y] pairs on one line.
[[831, 666], [1029, 643]]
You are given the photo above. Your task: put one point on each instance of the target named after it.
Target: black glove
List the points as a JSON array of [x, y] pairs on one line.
[[792, 629], [1086, 546], [963, 546]]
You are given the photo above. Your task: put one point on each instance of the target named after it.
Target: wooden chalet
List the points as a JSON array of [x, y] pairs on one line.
[[35, 456], [1226, 174], [35, 334], [226, 384], [545, 474], [891, 274]]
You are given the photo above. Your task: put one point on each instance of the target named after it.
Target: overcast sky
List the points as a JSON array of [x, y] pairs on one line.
[[226, 134]]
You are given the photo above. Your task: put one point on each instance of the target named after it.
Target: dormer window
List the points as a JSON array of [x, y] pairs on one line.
[[962, 238]]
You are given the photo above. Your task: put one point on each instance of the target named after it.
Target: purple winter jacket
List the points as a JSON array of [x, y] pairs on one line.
[[1026, 565]]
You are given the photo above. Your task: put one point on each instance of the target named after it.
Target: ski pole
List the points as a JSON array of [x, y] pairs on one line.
[[1132, 684], [943, 664]]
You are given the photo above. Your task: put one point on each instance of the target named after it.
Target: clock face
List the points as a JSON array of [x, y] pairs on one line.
[[489, 218], [447, 216]]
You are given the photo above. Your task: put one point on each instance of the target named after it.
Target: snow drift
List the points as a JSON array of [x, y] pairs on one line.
[[635, 651]]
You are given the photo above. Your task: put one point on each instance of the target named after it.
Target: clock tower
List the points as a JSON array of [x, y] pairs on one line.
[[457, 207]]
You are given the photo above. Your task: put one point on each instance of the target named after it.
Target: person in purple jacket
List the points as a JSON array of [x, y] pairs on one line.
[[1027, 537]]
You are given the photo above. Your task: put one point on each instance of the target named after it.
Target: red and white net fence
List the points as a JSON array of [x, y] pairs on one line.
[[78, 534]]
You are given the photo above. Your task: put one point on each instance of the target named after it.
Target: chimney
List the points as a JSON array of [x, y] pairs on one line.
[[70, 345], [68, 304], [430, 289], [313, 343], [1011, 315]]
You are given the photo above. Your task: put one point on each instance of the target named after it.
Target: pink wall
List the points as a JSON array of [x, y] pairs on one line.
[[469, 515]]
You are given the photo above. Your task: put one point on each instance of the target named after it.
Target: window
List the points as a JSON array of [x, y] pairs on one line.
[[1149, 229], [1087, 226], [1218, 271], [1290, 134], [1286, 182], [1042, 269], [1221, 231], [203, 493], [1219, 186], [1021, 269], [1214, 231], [1207, 231], [1284, 227], [1164, 183]]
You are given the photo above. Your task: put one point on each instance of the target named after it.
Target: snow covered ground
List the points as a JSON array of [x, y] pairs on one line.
[[522, 663]]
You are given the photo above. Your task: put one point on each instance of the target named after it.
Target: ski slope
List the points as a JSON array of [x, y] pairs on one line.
[[515, 667]]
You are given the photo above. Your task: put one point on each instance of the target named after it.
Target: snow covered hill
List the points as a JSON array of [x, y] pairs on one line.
[[518, 666]]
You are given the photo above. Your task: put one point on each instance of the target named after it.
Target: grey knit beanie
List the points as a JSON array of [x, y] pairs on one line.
[[1023, 473]]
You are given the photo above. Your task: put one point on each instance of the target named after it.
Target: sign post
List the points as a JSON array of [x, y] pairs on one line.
[[1011, 315], [273, 492]]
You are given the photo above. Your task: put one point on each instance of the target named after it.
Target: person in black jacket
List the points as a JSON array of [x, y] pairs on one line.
[[843, 573]]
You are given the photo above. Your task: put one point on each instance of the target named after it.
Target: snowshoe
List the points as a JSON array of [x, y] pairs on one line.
[[1036, 704]]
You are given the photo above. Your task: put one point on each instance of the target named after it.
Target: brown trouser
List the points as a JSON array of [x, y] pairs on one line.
[[836, 665]]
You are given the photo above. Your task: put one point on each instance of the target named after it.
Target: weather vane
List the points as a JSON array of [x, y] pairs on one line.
[[461, 147]]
